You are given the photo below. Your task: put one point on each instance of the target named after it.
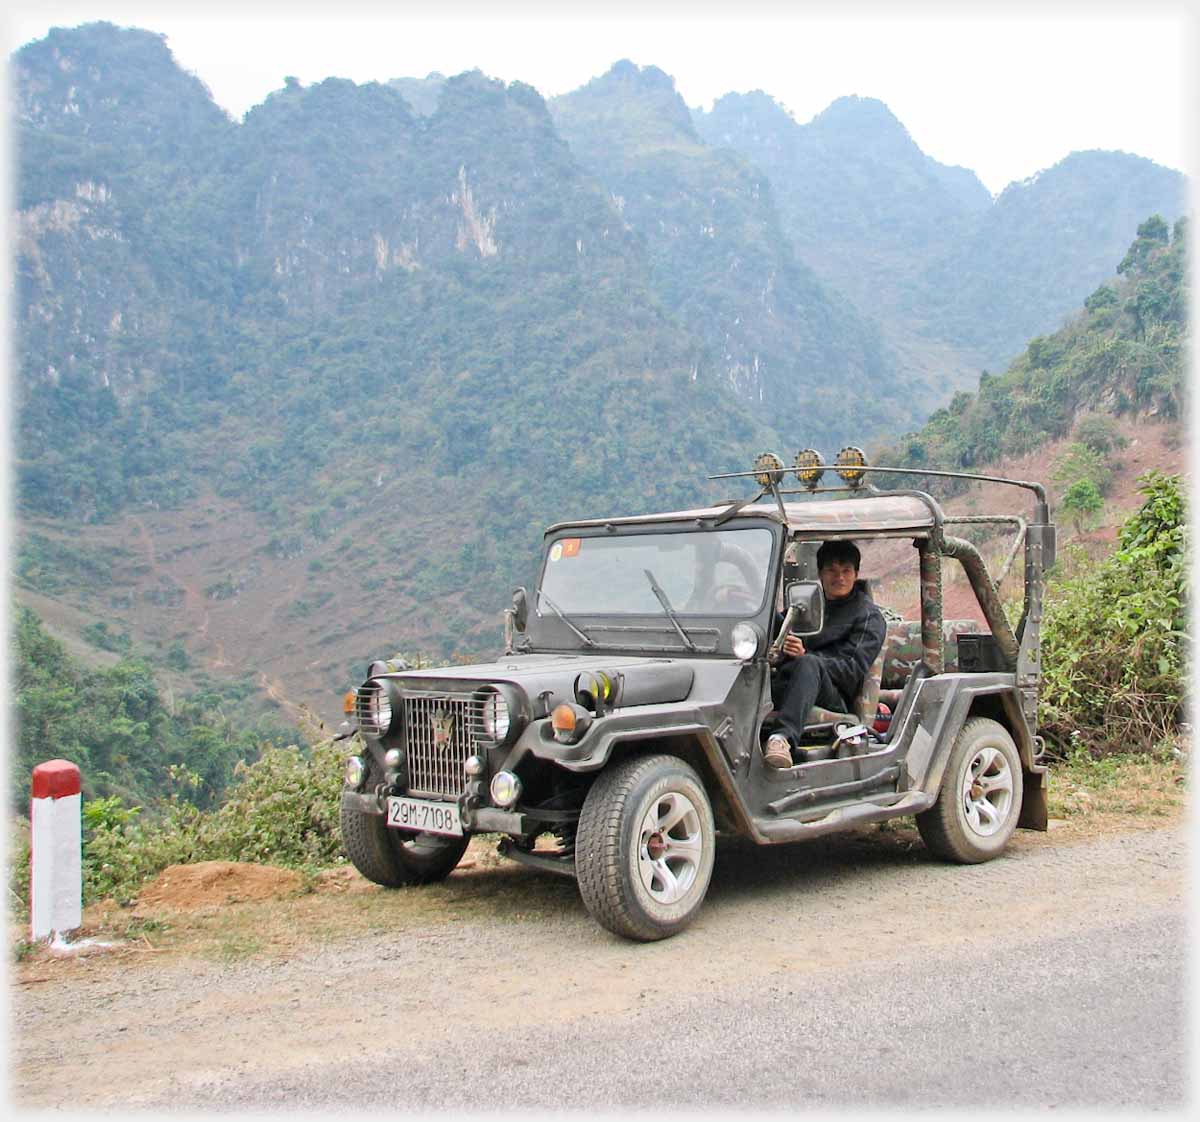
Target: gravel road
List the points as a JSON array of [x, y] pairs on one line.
[[817, 975]]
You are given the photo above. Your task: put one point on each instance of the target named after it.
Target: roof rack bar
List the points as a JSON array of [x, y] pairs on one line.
[[1037, 488]]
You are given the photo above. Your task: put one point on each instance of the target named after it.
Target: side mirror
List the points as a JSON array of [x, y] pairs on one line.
[[515, 618], [520, 609], [806, 607]]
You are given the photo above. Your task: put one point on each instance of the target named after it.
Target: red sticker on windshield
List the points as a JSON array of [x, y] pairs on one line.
[[571, 546]]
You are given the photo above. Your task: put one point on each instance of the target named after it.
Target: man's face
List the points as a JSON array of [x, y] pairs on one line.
[[837, 579]]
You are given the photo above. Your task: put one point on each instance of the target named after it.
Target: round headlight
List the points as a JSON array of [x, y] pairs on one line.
[[355, 771], [494, 716], [393, 758], [746, 637], [505, 788], [373, 708]]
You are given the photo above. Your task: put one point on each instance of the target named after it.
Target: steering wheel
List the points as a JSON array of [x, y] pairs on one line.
[[734, 598]]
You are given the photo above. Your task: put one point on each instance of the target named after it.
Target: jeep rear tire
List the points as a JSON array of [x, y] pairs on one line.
[[645, 846], [395, 858], [980, 799]]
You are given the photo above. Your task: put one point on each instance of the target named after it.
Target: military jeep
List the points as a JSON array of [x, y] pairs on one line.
[[620, 732]]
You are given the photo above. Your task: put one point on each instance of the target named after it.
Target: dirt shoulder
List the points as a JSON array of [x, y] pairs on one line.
[[227, 911]]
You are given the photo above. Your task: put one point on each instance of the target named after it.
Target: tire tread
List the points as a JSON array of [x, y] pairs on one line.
[[599, 861]]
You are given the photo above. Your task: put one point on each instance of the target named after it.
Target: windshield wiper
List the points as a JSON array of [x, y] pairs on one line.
[[662, 599], [587, 639]]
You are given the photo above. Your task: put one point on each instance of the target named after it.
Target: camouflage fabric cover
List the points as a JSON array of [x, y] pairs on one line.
[[900, 653], [902, 648]]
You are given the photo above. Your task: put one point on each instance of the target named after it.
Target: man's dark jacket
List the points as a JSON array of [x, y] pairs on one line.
[[847, 644]]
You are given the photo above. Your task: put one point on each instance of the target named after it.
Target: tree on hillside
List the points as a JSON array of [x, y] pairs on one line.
[[1081, 502], [1151, 235]]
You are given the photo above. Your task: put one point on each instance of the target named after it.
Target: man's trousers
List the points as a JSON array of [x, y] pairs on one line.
[[800, 684]]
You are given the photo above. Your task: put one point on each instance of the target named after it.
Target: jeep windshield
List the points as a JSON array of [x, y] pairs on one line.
[[671, 573]]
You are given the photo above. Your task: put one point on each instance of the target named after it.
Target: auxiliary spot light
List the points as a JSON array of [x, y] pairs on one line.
[[768, 469], [594, 690], [505, 789], [849, 462], [809, 467]]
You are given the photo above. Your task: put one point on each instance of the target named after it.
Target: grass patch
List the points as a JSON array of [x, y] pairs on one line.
[[237, 945], [1134, 789]]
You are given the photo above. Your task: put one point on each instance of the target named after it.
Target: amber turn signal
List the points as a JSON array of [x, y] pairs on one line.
[[569, 722], [563, 718], [348, 701]]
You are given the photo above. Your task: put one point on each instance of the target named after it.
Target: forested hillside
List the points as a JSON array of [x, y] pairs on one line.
[[721, 262], [956, 279], [130, 737], [457, 275], [1125, 353], [303, 390]]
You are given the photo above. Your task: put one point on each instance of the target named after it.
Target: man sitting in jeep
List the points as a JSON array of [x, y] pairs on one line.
[[827, 670]]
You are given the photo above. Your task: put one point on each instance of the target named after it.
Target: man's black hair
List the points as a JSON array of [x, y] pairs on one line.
[[839, 551]]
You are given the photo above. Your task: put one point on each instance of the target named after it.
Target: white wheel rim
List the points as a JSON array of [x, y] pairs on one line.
[[987, 792], [670, 847]]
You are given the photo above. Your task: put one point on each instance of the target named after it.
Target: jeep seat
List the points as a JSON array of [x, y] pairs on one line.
[[821, 720], [900, 654]]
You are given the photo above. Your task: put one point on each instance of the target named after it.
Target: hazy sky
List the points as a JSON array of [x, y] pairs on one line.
[[1004, 89]]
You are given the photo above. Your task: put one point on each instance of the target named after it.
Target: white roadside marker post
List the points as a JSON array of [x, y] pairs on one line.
[[56, 874]]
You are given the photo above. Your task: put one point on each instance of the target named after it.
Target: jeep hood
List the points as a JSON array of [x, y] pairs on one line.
[[643, 681]]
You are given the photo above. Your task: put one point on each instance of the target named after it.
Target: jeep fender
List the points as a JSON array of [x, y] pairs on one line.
[[978, 695], [658, 725]]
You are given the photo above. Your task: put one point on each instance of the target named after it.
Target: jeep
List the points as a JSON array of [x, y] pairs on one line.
[[621, 730]]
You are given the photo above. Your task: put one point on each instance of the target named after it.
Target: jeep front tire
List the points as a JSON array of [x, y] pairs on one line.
[[395, 858], [645, 846]]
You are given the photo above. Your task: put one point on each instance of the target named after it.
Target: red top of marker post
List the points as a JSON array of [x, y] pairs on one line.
[[56, 779]]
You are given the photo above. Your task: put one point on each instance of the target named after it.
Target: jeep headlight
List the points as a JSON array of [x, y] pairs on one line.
[[497, 714], [494, 716], [747, 638], [373, 708]]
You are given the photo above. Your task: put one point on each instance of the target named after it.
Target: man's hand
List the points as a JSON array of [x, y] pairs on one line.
[[792, 646]]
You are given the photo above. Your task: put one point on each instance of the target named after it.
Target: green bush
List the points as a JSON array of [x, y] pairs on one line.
[[280, 810], [1099, 433], [1113, 637]]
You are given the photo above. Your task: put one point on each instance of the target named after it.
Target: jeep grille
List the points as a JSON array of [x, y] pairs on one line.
[[441, 731]]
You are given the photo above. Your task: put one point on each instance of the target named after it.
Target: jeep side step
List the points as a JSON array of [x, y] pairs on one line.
[[888, 776], [775, 831]]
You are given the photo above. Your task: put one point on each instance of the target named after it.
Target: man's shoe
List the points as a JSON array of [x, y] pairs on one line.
[[778, 752]]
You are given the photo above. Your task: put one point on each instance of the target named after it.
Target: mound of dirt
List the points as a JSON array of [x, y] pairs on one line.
[[342, 879], [213, 883]]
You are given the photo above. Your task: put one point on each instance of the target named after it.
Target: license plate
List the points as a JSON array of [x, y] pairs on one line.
[[418, 814]]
